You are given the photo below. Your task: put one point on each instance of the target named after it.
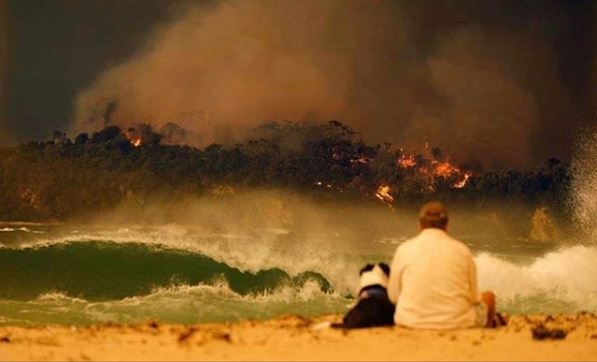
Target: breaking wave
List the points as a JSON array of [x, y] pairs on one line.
[[175, 276], [559, 281], [103, 270]]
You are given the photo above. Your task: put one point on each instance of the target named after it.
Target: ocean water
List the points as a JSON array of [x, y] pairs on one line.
[[83, 275]]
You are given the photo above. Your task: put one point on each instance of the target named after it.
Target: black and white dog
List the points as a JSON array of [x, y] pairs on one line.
[[373, 308]]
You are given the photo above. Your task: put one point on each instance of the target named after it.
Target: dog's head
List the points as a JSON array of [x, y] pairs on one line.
[[374, 274]]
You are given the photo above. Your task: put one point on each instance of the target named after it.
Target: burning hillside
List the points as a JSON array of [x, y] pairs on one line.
[[168, 133], [329, 161], [433, 164], [336, 147]]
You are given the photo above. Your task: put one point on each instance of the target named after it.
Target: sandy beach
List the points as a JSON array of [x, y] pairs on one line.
[[296, 338]]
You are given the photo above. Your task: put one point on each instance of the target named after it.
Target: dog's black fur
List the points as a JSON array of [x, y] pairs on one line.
[[374, 308]]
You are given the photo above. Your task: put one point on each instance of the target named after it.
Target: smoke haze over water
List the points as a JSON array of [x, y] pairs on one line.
[[584, 183], [474, 84]]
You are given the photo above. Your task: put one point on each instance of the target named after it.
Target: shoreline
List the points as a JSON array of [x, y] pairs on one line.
[[297, 338]]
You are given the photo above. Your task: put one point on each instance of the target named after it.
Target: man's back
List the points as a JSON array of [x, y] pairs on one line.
[[433, 281]]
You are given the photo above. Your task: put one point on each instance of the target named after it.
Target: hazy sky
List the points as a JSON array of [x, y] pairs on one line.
[[507, 83], [57, 47]]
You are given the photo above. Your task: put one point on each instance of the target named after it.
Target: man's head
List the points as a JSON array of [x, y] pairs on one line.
[[433, 215]]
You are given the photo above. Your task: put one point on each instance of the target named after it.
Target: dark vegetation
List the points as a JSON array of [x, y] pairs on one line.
[[63, 178]]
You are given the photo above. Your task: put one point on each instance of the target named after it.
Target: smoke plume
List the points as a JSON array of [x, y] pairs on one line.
[[470, 80]]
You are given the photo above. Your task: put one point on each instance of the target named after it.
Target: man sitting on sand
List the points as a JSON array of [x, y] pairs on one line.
[[433, 279]]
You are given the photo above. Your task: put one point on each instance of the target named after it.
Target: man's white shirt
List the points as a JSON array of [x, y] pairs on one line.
[[433, 281]]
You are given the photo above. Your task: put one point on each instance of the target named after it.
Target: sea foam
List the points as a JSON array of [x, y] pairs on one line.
[[566, 277]]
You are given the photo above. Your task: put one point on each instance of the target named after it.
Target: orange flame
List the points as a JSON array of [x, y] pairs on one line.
[[465, 177], [134, 137], [444, 169], [383, 194], [406, 161]]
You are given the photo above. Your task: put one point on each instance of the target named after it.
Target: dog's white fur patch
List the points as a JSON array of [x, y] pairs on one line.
[[372, 277]]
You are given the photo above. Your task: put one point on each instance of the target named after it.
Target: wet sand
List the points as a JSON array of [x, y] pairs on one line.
[[296, 338]]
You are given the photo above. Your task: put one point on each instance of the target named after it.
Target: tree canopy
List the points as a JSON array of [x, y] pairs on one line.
[[60, 178]]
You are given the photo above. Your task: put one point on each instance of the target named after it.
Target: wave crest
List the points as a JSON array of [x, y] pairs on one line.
[[562, 280], [105, 270]]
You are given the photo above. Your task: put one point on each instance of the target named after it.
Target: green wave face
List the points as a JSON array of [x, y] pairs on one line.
[[102, 270]]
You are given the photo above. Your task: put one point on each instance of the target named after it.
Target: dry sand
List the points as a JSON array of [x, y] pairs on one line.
[[296, 338]]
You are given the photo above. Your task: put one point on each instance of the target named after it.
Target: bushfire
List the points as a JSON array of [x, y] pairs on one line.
[[406, 161], [424, 172], [461, 183], [134, 136], [142, 134], [430, 166], [448, 170], [383, 194]]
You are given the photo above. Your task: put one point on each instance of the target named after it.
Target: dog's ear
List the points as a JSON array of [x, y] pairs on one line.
[[366, 268], [385, 268]]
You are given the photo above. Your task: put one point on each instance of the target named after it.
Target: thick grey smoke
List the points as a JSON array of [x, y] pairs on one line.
[[389, 69]]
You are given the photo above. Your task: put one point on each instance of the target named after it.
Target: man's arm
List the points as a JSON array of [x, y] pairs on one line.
[[394, 284]]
